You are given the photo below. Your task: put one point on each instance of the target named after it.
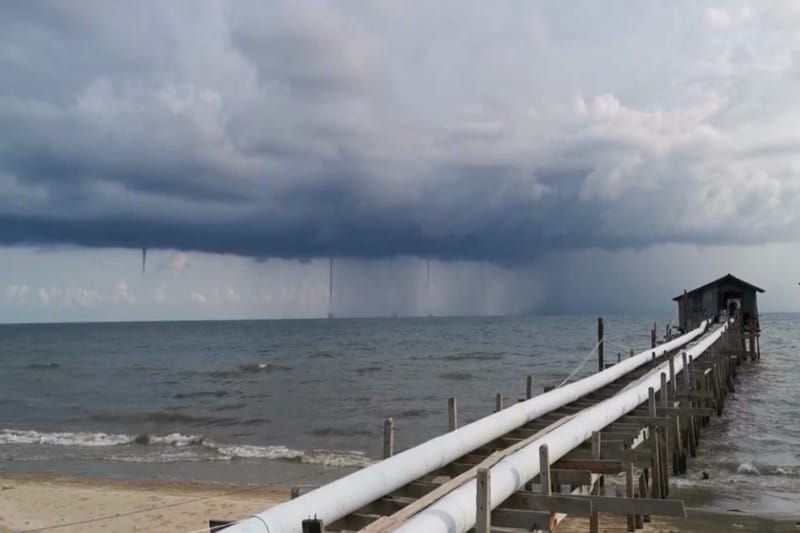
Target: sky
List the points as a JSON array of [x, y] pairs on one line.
[[533, 157]]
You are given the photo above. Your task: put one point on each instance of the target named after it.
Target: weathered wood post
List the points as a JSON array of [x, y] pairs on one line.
[[594, 518], [643, 494], [653, 336], [758, 342], [452, 413], [529, 387], [544, 470], [388, 437], [629, 493], [686, 378], [664, 433], [656, 466], [672, 386], [498, 402], [483, 497], [600, 363]]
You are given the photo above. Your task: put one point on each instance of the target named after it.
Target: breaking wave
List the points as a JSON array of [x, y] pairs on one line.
[[752, 469], [21, 436], [177, 447]]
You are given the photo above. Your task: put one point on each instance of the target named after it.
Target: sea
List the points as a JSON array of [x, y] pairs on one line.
[[300, 402]]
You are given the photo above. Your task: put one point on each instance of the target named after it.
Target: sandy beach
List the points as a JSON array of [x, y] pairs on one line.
[[31, 503], [40, 503]]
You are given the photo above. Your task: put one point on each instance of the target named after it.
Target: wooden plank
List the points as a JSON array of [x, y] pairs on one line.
[[649, 420], [354, 522], [519, 519], [602, 504], [572, 477], [598, 466], [561, 503], [415, 489]]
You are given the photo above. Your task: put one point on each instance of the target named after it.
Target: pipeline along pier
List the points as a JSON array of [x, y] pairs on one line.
[[525, 467]]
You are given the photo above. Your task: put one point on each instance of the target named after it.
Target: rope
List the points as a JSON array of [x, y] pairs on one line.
[[619, 345], [166, 506], [581, 365]]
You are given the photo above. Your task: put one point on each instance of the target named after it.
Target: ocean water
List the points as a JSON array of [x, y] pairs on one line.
[[285, 401]]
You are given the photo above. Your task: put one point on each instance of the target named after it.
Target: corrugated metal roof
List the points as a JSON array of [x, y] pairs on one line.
[[728, 278]]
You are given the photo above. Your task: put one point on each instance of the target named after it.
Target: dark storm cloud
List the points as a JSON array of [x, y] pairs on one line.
[[295, 130]]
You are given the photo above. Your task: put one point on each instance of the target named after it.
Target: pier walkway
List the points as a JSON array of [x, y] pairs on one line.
[[543, 457]]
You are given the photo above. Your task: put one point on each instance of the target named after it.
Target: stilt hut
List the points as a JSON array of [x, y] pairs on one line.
[[719, 299]]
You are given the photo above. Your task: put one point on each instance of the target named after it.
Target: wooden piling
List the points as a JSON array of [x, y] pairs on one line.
[[653, 437], [629, 493], [529, 387], [498, 402], [388, 438], [600, 362], [643, 494], [452, 413], [672, 386], [483, 497], [758, 346], [544, 470]]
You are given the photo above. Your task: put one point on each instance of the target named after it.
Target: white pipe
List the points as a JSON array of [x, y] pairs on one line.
[[348, 494], [455, 512]]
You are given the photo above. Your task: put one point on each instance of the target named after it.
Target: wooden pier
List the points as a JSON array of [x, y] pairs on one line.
[[646, 446]]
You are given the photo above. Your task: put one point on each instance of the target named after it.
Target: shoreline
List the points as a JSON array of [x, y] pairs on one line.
[[69, 504]]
